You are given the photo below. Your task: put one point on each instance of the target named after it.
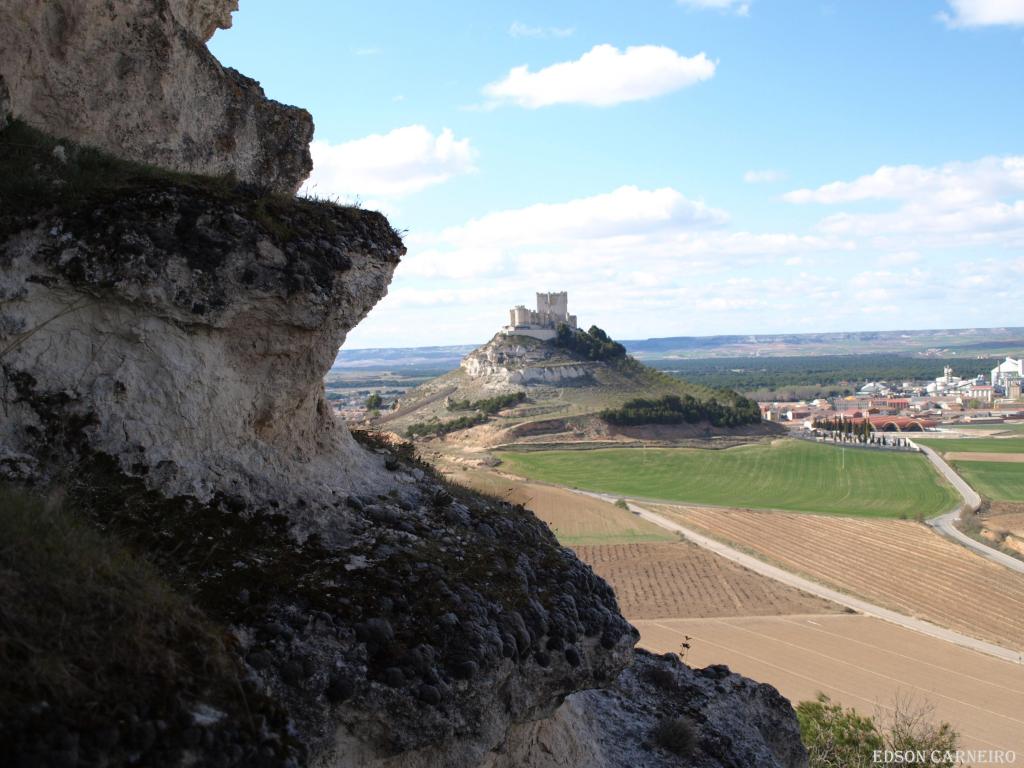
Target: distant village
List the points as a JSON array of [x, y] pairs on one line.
[[914, 406]]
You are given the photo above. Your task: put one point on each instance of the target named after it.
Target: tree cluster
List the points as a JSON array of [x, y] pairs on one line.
[[593, 344], [489, 405], [439, 428], [673, 409]]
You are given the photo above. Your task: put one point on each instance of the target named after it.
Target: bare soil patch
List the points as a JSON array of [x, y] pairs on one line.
[[898, 564], [1013, 458], [575, 519], [679, 579], [863, 663]]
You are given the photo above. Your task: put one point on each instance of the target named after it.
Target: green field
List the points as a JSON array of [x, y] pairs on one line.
[[789, 474], [997, 480], [975, 444]]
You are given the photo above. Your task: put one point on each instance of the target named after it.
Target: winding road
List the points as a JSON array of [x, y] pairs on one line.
[[946, 524]]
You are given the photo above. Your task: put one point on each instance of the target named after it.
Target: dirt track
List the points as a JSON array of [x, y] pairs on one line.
[[656, 580], [863, 663]]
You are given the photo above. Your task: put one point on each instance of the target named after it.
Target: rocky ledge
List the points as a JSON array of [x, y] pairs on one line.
[[134, 77]]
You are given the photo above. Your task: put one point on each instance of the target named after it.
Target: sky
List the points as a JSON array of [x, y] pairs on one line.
[[680, 167]]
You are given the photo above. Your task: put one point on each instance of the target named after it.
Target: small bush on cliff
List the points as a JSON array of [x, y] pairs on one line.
[[677, 735], [841, 738]]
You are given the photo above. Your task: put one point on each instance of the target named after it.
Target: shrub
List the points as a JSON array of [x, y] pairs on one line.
[[836, 737], [621, 504], [841, 738], [673, 409], [594, 344], [677, 735], [439, 428], [490, 405]]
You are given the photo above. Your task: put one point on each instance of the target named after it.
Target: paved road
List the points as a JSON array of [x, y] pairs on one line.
[[945, 524], [792, 580]]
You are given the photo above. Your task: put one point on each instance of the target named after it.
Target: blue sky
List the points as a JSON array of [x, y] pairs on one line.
[[681, 167]]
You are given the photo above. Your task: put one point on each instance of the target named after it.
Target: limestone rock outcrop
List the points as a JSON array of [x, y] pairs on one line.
[[732, 721], [507, 361], [189, 336], [162, 348], [163, 339], [134, 77]]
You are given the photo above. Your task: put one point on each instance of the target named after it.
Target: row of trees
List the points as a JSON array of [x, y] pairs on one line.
[[810, 376], [673, 409], [844, 430], [489, 405], [439, 428]]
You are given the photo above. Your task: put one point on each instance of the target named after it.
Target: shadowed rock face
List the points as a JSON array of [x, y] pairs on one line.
[[134, 77]]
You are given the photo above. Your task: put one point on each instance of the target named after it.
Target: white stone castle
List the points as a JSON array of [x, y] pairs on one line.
[[552, 309]]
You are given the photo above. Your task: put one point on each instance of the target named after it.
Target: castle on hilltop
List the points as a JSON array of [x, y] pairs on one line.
[[552, 310]]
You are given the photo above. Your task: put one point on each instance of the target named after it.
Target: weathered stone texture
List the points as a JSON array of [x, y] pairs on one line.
[[134, 77], [507, 361]]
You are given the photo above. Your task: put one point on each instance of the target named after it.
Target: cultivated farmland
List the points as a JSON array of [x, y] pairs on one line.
[[786, 474], [672, 580], [861, 662], [573, 518], [974, 444], [897, 564], [998, 480]]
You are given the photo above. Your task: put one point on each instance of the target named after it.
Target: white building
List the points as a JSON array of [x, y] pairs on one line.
[[552, 311], [1006, 370]]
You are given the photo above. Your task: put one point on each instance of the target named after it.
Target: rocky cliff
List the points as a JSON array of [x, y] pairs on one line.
[[507, 361], [163, 338], [134, 77]]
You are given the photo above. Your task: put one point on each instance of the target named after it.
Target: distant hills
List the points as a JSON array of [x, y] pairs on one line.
[[967, 342]]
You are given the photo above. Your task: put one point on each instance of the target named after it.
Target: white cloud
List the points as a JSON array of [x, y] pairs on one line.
[[739, 7], [764, 176], [984, 13], [958, 203], [602, 77], [390, 165], [901, 258], [518, 29], [624, 212], [949, 186], [631, 250]]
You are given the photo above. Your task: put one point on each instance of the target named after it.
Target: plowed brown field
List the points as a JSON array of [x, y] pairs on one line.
[[672, 580], [898, 564]]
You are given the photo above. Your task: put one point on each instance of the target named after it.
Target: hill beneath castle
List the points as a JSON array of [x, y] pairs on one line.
[[581, 387]]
